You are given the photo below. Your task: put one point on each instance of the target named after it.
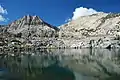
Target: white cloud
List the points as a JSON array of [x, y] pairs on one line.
[[2, 10], [2, 18], [2, 13], [81, 11]]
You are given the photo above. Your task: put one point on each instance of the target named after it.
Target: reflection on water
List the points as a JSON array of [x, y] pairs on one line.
[[61, 64]]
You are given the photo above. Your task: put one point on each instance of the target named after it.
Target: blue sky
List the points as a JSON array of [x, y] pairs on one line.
[[54, 12]]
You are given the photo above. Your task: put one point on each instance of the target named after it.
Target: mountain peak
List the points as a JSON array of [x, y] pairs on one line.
[[32, 20], [28, 23]]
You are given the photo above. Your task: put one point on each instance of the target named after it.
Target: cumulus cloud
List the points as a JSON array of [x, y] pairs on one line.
[[2, 10], [81, 11], [2, 18], [2, 13]]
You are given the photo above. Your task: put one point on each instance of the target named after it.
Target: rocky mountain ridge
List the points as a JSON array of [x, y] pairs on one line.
[[97, 30], [32, 26], [31, 31], [100, 30]]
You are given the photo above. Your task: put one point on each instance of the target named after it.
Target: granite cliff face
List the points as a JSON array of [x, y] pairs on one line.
[[97, 30], [100, 30], [32, 31], [32, 27]]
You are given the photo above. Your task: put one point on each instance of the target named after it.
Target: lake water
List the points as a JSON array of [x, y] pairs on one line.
[[61, 64]]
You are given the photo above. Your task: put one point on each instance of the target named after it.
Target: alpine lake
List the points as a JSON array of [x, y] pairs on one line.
[[60, 64]]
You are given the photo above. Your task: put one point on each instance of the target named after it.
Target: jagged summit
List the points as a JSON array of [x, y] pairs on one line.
[[31, 27], [30, 20]]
